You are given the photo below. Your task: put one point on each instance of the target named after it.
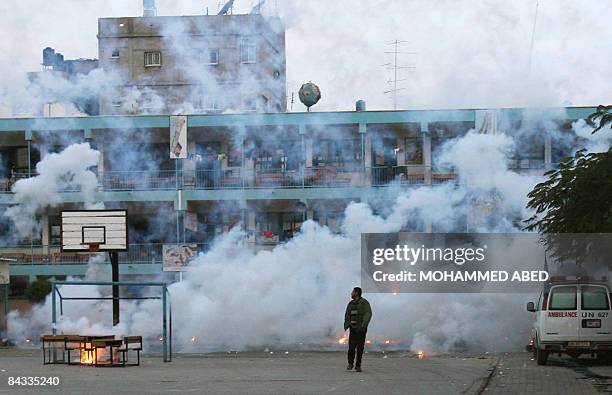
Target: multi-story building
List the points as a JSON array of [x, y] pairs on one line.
[[268, 172], [193, 64]]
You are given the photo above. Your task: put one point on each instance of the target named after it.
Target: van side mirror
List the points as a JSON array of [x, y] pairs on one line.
[[531, 307]]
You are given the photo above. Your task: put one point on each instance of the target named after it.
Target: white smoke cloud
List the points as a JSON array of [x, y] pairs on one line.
[[594, 142], [460, 46], [67, 170], [235, 298]]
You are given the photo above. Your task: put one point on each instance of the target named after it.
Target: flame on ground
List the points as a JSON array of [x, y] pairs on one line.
[[342, 340], [420, 354], [87, 358]]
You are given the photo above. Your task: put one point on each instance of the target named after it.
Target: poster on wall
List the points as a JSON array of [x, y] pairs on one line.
[[178, 137], [177, 256]]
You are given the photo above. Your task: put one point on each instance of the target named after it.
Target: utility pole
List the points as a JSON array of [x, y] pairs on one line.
[[114, 258], [395, 67]]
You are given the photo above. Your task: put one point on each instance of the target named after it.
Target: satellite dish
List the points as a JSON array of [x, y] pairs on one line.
[[226, 8], [310, 94]]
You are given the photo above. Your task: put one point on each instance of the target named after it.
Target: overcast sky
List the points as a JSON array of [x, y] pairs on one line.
[[466, 54]]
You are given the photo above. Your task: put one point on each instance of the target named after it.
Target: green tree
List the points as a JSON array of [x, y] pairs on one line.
[[38, 290], [576, 198]]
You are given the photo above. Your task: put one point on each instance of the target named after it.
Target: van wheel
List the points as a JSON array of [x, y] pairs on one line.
[[604, 358], [541, 356]]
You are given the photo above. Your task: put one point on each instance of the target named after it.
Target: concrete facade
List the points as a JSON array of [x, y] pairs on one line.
[[193, 64], [267, 172]]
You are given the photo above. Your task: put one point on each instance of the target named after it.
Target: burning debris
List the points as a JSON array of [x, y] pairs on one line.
[[91, 350]]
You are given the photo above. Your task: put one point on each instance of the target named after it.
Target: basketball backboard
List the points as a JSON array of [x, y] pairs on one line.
[[94, 230]]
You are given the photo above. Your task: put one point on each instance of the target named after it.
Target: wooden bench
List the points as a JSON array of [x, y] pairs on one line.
[[134, 344], [89, 350], [114, 359], [74, 343], [52, 346]]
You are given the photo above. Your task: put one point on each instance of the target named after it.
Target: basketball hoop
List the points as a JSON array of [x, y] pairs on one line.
[[94, 230]]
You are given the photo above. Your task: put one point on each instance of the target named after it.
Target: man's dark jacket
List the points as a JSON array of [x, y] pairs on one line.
[[358, 315]]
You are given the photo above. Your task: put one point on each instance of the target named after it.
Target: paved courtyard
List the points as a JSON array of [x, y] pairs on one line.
[[315, 373]]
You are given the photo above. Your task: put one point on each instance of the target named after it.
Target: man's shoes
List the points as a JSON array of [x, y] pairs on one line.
[[357, 368], [349, 367]]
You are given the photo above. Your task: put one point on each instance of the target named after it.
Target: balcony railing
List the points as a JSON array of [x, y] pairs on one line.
[[404, 175], [50, 255], [140, 180], [527, 164], [240, 178]]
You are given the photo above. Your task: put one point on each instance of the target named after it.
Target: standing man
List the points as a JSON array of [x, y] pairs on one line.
[[357, 317]]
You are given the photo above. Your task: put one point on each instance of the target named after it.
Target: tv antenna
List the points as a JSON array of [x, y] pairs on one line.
[[256, 10], [533, 32], [395, 67]]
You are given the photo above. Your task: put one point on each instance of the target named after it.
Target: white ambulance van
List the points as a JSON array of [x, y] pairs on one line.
[[572, 317]]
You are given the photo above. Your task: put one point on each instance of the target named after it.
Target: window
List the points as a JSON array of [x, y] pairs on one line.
[[284, 155], [55, 230], [234, 157], [414, 151], [207, 103], [249, 104], [384, 151], [277, 227], [146, 101], [528, 154], [339, 152], [210, 57], [331, 219], [594, 298], [115, 53], [248, 51], [152, 59], [563, 298]]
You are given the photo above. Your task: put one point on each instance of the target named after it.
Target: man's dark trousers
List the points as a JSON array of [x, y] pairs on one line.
[[356, 342]]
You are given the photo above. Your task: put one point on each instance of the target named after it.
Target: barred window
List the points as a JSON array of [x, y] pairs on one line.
[[210, 57], [152, 59], [248, 51]]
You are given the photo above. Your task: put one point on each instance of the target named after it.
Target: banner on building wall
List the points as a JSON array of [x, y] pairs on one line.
[[4, 273], [486, 121], [177, 256], [178, 137]]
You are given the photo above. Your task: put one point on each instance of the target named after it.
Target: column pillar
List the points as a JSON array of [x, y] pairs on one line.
[[45, 237], [548, 153], [427, 160], [401, 151], [28, 137], [366, 150]]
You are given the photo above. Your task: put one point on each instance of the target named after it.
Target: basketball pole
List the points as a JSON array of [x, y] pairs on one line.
[[114, 258]]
